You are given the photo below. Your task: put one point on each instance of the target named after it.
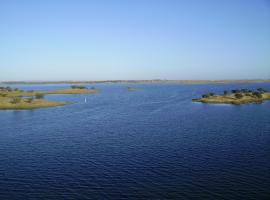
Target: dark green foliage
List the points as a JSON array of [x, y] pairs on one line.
[[29, 100], [15, 100], [9, 89], [205, 95], [244, 90], [3, 95], [261, 90], [39, 96], [211, 94], [238, 95], [225, 92], [257, 94], [236, 91], [78, 87]]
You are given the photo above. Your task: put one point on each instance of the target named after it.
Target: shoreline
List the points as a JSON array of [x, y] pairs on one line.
[[155, 81]]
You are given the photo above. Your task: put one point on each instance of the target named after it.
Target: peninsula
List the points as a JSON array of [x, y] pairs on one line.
[[15, 99], [237, 97]]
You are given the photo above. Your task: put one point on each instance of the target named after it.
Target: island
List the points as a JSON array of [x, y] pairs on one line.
[[236, 97], [16, 99], [75, 89], [130, 89]]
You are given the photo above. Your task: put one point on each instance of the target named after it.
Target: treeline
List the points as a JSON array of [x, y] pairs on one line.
[[240, 93]]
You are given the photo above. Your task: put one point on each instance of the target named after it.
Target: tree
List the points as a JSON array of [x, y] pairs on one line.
[[15, 100], [205, 95], [257, 94], [262, 90], [29, 100], [238, 95], [39, 96]]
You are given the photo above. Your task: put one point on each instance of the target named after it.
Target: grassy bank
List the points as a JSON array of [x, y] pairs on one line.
[[7, 103]]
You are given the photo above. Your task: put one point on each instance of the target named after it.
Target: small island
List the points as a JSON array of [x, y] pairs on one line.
[[237, 97], [16, 99], [75, 89], [130, 89]]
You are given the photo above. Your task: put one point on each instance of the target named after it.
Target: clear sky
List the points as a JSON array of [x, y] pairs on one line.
[[134, 39]]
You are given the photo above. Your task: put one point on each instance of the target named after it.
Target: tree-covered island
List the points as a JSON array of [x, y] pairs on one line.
[[237, 97]]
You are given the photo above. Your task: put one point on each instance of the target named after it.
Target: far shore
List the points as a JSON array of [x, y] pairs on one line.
[[160, 81]]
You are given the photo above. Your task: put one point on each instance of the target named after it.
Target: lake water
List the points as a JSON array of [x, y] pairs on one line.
[[154, 143]]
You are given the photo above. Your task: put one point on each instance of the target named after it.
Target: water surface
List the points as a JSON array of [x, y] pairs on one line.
[[154, 143]]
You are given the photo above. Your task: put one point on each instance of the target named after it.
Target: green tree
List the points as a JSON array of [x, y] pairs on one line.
[[39, 96], [29, 100], [238, 95], [15, 100]]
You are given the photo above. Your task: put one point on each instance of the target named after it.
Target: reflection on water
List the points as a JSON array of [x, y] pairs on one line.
[[153, 143]]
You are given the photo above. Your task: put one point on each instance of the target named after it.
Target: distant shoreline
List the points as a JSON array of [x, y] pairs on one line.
[[142, 81]]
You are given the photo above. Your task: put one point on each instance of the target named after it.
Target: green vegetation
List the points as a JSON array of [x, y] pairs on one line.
[[72, 91], [238, 96], [18, 99], [39, 95], [78, 87], [130, 89]]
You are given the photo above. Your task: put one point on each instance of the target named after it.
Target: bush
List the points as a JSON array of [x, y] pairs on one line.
[[78, 87], [262, 90], [211, 94], [238, 95], [225, 92], [244, 90], [39, 96], [9, 89], [29, 100], [15, 100], [257, 94], [205, 95], [236, 91]]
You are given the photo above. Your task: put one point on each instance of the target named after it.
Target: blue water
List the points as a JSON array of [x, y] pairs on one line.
[[154, 143]]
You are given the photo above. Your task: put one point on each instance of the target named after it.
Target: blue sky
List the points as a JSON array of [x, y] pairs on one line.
[[134, 39]]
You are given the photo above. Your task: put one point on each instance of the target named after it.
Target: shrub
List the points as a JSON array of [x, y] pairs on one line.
[[244, 90], [15, 100], [225, 92], [9, 89], [39, 96], [211, 94], [238, 95], [205, 95], [257, 94], [29, 100], [262, 90], [3, 94]]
